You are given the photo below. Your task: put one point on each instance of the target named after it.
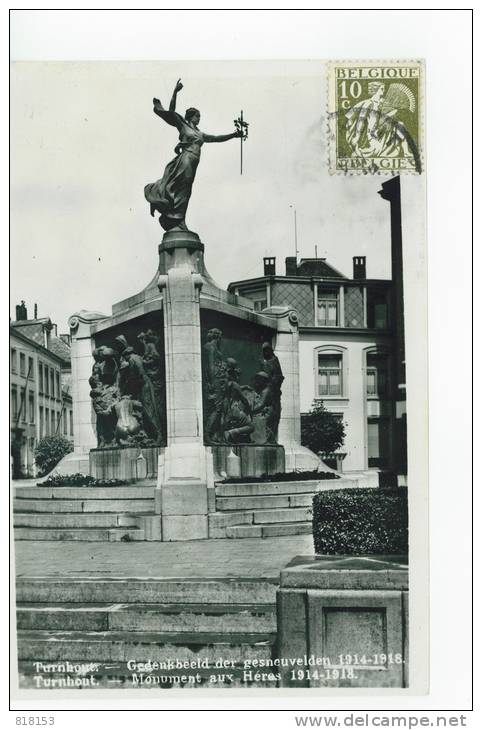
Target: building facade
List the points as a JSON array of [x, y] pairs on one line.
[[346, 349], [40, 399]]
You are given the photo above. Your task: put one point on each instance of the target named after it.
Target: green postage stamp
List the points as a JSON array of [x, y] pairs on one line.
[[375, 116]]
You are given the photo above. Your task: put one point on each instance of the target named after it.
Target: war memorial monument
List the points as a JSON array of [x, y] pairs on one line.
[[186, 402], [186, 380]]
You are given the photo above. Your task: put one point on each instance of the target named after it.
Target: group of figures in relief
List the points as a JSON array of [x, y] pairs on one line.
[[240, 414], [127, 392]]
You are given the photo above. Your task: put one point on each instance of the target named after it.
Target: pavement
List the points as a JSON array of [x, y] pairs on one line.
[[246, 558]]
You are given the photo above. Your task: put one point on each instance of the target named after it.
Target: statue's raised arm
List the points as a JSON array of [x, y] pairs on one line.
[[170, 195]]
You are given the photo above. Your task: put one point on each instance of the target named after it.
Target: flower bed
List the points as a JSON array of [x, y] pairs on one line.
[[292, 476], [80, 480]]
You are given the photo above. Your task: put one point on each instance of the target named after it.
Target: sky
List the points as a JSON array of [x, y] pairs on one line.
[[84, 142]]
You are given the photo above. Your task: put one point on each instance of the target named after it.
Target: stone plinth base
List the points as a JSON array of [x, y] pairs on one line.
[[124, 463], [333, 605], [183, 482], [255, 460]]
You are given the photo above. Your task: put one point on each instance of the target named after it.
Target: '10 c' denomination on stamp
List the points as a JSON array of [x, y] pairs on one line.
[[375, 116]]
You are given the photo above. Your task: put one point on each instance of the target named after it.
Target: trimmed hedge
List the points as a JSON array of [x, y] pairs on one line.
[[80, 480], [361, 521]]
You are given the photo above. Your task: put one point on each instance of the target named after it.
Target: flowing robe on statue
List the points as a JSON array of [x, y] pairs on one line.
[[170, 195]]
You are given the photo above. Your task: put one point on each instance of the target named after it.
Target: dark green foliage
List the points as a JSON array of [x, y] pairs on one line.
[[80, 480], [361, 522], [49, 451], [290, 476], [321, 431]]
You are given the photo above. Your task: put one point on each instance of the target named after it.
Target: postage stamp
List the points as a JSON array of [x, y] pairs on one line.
[[375, 117]]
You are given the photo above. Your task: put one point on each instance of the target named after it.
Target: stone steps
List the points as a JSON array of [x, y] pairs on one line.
[[88, 534], [265, 489], [274, 530], [267, 509], [83, 520], [145, 590], [88, 505], [140, 490], [106, 646], [104, 623], [88, 514], [228, 504], [152, 617]]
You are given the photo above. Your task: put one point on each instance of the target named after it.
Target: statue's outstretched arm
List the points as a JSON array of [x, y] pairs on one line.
[[220, 137]]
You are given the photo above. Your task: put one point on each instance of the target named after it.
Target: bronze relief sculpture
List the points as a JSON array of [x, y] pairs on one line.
[[235, 413], [127, 393]]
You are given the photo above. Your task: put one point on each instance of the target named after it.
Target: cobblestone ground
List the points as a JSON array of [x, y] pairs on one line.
[[246, 558]]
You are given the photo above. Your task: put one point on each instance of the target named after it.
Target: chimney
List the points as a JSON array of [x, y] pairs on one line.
[[47, 329], [35, 310], [359, 267], [291, 266], [269, 264], [21, 311]]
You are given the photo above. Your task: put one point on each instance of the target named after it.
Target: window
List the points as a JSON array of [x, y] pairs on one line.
[[13, 360], [52, 423], [329, 374], [64, 420], [377, 375], [22, 363], [23, 406], [377, 309], [40, 377], [327, 308], [57, 380], [31, 408], [14, 403], [47, 422], [30, 371], [52, 384], [46, 375], [41, 421], [71, 423]]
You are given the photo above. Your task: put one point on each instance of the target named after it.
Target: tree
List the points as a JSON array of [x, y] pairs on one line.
[[49, 451], [321, 430]]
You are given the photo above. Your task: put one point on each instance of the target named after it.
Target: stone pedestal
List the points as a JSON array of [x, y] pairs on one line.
[[254, 460], [185, 467], [124, 463], [345, 605]]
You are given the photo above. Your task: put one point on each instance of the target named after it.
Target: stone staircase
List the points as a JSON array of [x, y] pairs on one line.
[[110, 514], [189, 624], [92, 514], [267, 509]]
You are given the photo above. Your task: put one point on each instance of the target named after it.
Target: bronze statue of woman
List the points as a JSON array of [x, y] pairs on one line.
[[170, 195]]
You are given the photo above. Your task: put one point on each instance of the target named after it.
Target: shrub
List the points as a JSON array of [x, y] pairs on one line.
[[321, 430], [80, 480], [361, 521], [49, 451]]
